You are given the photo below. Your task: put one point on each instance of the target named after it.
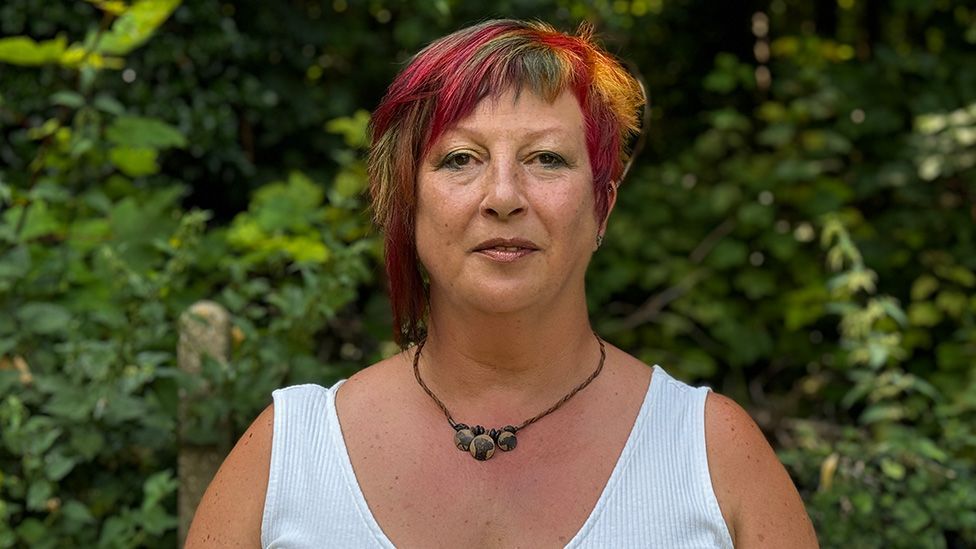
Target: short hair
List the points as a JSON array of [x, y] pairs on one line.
[[443, 83]]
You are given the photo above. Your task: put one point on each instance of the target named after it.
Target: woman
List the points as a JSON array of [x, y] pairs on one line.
[[495, 163]]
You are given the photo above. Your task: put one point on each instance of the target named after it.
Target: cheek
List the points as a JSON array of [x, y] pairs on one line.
[[441, 221], [569, 211], [440, 212]]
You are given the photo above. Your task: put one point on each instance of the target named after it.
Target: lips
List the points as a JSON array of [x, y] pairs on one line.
[[505, 250]]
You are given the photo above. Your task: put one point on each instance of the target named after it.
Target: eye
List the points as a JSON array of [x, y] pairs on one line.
[[456, 161], [550, 160]]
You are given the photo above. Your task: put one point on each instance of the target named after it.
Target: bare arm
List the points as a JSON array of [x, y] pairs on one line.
[[756, 495], [229, 515]]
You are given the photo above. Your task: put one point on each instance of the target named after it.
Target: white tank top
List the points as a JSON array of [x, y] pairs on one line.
[[659, 493]]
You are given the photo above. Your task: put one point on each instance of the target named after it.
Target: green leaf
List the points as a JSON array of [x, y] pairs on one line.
[[821, 141], [57, 465], [134, 162], [32, 531], [136, 26], [306, 249], [87, 441], [40, 220], [804, 306], [38, 494], [352, 128], [892, 469], [954, 356], [952, 302], [756, 283], [728, 254], [959, 274], [924, 286], [43, 435], [71, 405], [348, 184], [115, 529], [108, 104], [68, 98], [730, 120], [911, 516], [22, 50], [46, 129], [929, 449], [882, 412], [724, 196], [877, 354], [158, 486], [157, 521], [44, 318], [6, 193], [14, 264], [89, 233], [863, 502], [289, 206], [51, 192], [890, 306], [143, 132], [924, 314], [75, 511], [777, 135], [753, 214], [121, 407]]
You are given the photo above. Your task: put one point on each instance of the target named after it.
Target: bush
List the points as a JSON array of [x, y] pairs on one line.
[[99, 261]]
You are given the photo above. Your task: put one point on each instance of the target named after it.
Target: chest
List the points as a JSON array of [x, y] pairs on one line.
[[538, 495], [422, 491]]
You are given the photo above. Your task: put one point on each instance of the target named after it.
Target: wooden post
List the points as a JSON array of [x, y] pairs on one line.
[[204, 331]]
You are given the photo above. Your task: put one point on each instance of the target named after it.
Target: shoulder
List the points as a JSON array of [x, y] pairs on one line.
[[755, 493], [238, 490], [376, 386]]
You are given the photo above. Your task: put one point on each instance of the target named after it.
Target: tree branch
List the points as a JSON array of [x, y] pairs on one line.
[[651, 308]]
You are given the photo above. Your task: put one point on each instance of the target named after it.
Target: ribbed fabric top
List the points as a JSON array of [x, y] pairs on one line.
[[659, 493]]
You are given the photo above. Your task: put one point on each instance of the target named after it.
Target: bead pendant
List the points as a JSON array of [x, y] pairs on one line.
[[463, 437], [481, 444], [482, 447], [506, 440]]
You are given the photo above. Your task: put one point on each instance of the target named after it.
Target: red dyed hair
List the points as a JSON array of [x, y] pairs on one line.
[[444, 83]]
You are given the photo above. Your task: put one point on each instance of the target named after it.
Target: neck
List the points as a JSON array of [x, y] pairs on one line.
[[500, 367]]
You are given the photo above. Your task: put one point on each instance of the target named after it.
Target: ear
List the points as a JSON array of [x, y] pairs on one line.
[[611, 202]]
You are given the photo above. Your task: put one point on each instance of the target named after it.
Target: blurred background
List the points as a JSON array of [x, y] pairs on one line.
[[799, 233]]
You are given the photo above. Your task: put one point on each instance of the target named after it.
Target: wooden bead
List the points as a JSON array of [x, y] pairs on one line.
[[463, 438], [482, 447], [507, 440]]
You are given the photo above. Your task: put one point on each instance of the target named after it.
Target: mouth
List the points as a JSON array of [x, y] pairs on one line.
[[505, 250]]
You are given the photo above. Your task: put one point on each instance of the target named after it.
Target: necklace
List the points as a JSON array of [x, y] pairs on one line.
[[481, 443]]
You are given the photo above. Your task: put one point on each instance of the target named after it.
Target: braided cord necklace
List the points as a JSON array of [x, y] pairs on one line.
[[481, 443]]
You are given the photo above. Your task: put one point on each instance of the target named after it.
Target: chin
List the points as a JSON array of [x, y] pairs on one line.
[[510, 296]]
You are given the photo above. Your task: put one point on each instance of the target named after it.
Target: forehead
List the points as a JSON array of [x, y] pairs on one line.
[[524, 114]]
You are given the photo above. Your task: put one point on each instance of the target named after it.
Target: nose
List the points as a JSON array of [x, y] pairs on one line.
[[504, 192]]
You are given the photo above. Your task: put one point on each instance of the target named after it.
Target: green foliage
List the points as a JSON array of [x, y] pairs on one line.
[[135, 24], [155, 153], [23, 50], [98, 259]]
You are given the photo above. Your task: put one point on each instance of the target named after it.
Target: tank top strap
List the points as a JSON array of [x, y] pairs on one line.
[[661, 488], [313, 499]]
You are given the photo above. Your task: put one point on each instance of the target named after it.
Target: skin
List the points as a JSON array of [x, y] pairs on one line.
[[503, 338]]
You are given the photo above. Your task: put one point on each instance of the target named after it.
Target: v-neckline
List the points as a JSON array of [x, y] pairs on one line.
[[370, 520]]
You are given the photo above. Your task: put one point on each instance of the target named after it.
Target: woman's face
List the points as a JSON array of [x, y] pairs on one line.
[[505, 213]]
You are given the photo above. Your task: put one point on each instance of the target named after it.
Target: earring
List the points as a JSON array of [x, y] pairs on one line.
[[599, 240]]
